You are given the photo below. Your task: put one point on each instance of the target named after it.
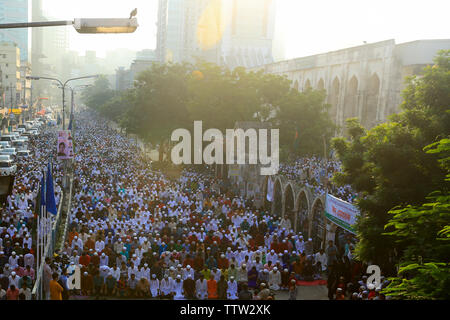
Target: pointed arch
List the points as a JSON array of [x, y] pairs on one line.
[[351, 98], [369, 117]]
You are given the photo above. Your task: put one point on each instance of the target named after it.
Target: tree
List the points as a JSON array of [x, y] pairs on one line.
[[305, 122], [387, 166], [97, 95], [424, 231]]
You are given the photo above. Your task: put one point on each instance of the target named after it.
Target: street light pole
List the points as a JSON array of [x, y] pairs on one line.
[[63, 86]]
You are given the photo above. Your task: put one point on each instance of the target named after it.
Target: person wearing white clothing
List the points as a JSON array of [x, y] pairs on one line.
[[188, 272], [154, 286], [177, 289], [145, 272], [201, 286], [322, 258], [166, 287], [232, 293], [274, 279]]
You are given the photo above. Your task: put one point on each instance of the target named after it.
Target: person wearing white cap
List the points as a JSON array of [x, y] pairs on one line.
[[154, 286], [188, 272], [272, 256], [166, 287], [13, 260], [177, 288], [104, 260], [77, 242], [300, 244], [14, 279], [242, 274], [232, 291], [144, 272], [274, 279]]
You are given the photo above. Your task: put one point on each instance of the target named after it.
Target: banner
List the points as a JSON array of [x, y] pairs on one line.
[[65, 145], [341, 213]]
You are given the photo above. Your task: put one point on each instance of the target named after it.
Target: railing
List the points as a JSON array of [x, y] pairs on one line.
[[68, 217], [48, 251]]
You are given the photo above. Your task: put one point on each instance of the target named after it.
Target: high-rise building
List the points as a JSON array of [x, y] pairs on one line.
[[228, 32], [10, 67], [15, 11], [249, 31]]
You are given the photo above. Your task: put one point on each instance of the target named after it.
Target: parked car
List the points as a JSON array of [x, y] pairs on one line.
[[5, 157], [19, 145], [5, 144], [20, 130], [23, 154], [9, 151], [7, 167], [8, 137]]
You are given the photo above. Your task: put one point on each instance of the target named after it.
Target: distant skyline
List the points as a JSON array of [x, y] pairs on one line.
[[307, 27]]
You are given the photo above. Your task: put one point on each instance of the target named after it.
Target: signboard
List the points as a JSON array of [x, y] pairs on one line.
[[341, 213], [65, 145]]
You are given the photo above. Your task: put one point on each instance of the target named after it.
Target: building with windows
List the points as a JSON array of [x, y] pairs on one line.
[[228, 32], [364, 81], [10, 70], [15, 11]]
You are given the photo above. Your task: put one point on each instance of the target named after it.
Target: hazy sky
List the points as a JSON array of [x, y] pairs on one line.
[[308, 27]]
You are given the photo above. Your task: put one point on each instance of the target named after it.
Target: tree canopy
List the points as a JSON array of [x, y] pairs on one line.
[[170, 96], [387, 166]]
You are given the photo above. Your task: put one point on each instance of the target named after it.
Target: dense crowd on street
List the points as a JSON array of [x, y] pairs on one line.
[[18, 217], [316, 173], [136, 234]]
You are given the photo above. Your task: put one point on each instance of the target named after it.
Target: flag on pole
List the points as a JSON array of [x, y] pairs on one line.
[[50, 202], [296, 139], [70, 124]]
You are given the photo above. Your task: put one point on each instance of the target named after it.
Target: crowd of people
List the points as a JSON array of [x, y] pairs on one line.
[[316, 173], [18, 217], [136, 234]]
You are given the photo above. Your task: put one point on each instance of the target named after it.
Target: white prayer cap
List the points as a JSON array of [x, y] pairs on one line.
[[275, 269], [188, 266], [153, 276], [309, 239], [85, 273], [13, 273], [13, 253], [103, 254]]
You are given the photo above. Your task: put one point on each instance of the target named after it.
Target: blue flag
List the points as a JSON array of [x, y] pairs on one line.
[[70, 124], [50, 202]]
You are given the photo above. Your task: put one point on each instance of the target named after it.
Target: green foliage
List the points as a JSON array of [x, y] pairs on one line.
[[424, 231], [97, 95], [387, 166], [167, 97]]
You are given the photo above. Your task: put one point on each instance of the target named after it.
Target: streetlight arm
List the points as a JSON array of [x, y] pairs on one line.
[[85, 77], [36, 24]]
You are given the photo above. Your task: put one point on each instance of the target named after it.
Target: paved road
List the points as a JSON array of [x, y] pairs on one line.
[[306, 293], [303, 293]]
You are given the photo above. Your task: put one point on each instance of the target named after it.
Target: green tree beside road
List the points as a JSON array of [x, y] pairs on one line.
[[387, 164]]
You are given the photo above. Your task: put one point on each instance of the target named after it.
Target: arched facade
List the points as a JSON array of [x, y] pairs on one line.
[[334, 97], [351, 99], [318, 224], [277, 206], [289, 203], [302, 216], [369, 117]]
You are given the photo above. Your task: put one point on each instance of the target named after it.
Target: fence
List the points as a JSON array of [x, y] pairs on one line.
[[48, 251]]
